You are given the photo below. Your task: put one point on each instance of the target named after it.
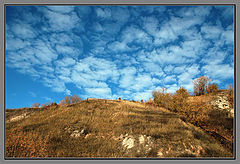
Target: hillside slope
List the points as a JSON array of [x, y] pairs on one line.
[[105, 128]]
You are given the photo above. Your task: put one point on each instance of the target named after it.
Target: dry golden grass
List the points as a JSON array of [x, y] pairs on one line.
[[50, 132]]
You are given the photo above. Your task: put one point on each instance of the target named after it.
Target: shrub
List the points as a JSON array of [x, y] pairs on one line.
[[162, 98], [70, 100], [62, 102], [212, 88], [75, 99], [67, 100], [179, 100], [47, 104], [36, 105], [54, 104], [200, 85], [44, 105]]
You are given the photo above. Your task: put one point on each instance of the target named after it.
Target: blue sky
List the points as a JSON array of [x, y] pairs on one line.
[[114, 51]]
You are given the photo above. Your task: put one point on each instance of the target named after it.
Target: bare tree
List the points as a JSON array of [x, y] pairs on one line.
[[200, 85], [70, 100], [75, 99], [67, 100]]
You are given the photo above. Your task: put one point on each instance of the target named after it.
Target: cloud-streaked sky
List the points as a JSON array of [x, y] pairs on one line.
[[114, 51]]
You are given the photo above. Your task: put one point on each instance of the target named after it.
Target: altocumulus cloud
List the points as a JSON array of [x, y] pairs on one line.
[[120, 51]]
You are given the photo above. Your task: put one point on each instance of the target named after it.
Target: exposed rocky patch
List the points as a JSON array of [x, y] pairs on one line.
[[221, 102], [19, 117], [76, 132], [135, 144]]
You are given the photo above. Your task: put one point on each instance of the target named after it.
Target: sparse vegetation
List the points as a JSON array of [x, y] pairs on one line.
[[94, 129]]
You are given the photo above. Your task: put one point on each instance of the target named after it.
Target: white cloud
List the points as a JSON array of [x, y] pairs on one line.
[[93, 72], [120, 14], [67, 50], [61, 9], [151, 25], [61, 22], [67, 61], [119, 46], [130, 34], [23, 30], [89, 54], [165, 57], [142, 95], [47, 68], [83, 80], [60, 39], [16, 43], [179, 69], [192, 12], [172, 88], [47, 98], [186, 78], [103, 13], [228, 36], [153, 68], [168, 68], [44, 54], [99, 92], [127, 77], [156, 81], [56, 84], [211, 32], [220, 71], [180, 24], [134, 34], [32, 94], [170, 79], [141, 82], [214, 56]]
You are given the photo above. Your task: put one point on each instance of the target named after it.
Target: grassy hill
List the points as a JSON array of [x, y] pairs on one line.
[[106, 128]]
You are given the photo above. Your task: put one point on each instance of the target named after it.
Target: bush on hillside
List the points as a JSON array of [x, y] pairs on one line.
[[74, 99], [47, 104], [70, 100], [179, 100], [162, 98], [212, 88], [53, 104]]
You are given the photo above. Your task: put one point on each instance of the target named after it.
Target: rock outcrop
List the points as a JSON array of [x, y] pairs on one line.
[[221, 102]]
